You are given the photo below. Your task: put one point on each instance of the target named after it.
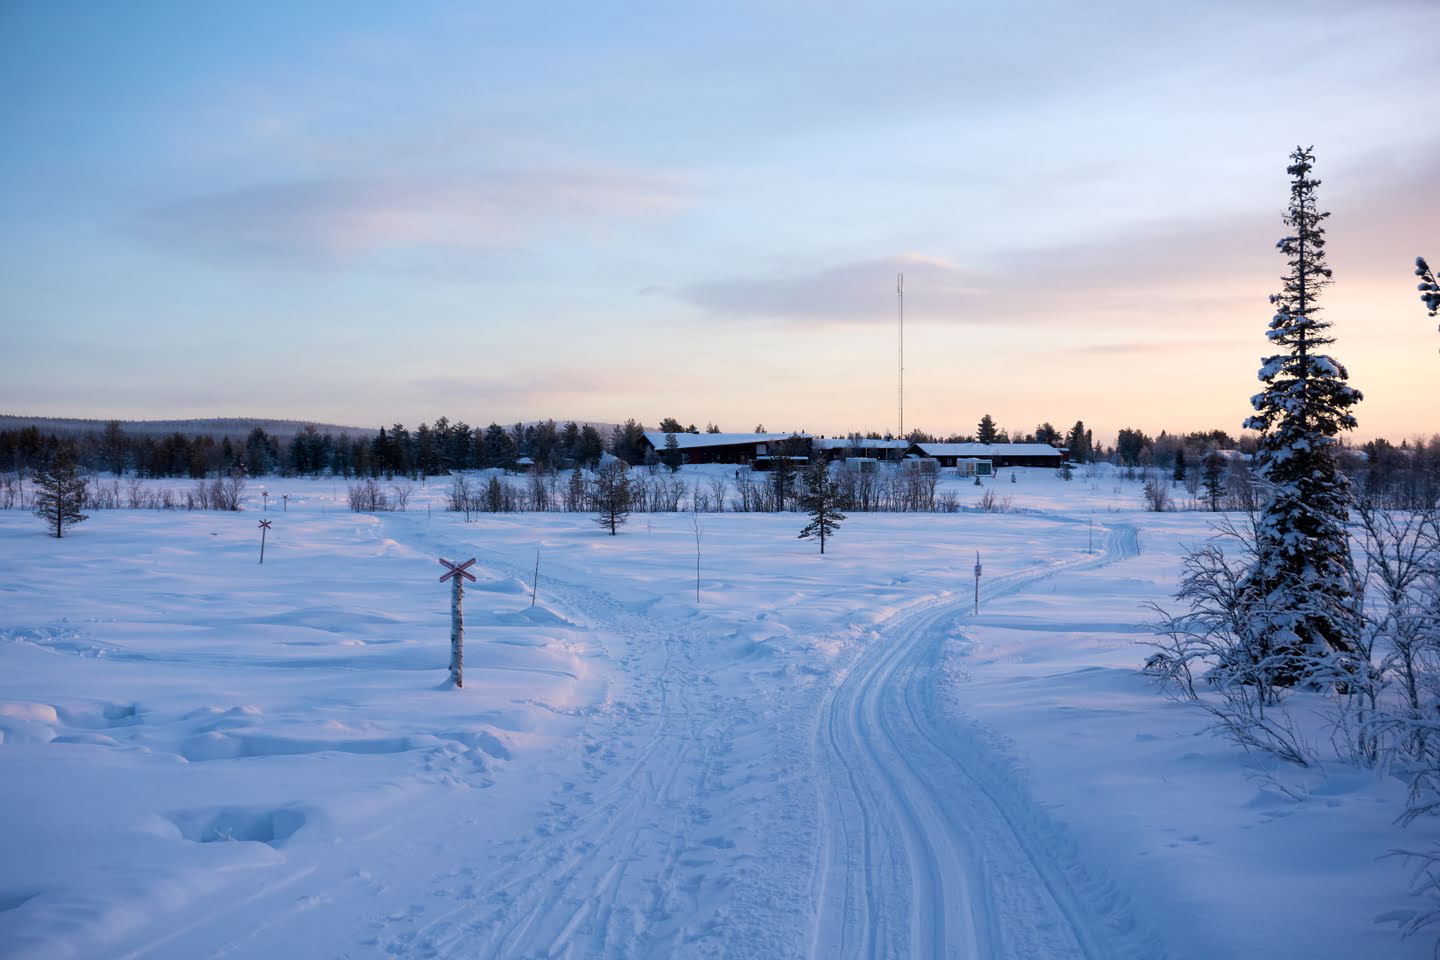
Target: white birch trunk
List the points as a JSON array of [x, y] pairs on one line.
[[457, 634]]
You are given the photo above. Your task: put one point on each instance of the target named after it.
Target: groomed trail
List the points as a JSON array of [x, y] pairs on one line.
[[929, 850], [915, 840]]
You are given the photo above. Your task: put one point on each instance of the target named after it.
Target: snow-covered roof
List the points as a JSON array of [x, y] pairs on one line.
[[844, 443], [988, 450], [692, 441]]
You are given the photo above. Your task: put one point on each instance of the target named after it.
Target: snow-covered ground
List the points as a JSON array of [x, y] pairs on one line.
[[824, 757]]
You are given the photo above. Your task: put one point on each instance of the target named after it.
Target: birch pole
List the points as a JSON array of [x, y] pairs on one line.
[[459, 574], [977, 581]]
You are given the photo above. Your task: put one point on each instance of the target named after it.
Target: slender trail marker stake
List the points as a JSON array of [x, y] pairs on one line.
[[535, 581], [264, 526], [977, 581], [459, 574]]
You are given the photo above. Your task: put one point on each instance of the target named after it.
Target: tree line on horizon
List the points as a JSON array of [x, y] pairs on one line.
[[1407, 471]]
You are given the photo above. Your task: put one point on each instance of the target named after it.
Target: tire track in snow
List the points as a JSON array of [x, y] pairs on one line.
[[972, 870]]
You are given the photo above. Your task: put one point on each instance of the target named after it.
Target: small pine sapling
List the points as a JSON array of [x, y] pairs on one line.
[[612, 495], [820, 500], [59, 495]]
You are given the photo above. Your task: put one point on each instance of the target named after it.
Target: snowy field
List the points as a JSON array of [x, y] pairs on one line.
[[824, 757]]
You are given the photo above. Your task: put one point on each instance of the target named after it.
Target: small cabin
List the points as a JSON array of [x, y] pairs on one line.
[[925, 466], [974, 467]]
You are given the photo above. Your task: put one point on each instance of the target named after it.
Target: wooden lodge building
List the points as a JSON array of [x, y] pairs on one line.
[[846, 448], [739, 448], [760, 449]]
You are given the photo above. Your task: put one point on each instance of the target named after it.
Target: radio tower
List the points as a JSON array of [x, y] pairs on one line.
[[900, 297]]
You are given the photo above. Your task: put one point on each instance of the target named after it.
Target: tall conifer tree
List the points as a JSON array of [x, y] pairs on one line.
[[1298, 587]]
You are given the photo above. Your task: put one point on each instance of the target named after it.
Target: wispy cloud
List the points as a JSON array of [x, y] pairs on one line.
[[1218, 266], [1142, 348], [850, 292], [1140, 275], [338, 219]]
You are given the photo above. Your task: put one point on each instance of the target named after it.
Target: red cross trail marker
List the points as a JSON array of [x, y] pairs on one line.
[[457, 574], [461, 570], [264, 525]]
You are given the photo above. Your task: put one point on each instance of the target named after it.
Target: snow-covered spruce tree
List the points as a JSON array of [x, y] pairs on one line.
[[1429, 286], [1299, 584], [821, 500], [59, 495]]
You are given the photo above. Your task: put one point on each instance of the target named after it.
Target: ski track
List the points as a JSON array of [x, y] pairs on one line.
[[604, 872], [930, 851]]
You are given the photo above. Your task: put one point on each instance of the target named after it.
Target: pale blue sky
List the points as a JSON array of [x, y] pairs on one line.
[[372, 212]]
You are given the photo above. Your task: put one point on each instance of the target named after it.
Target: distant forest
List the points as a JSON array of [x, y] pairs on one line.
[[1404, 472]]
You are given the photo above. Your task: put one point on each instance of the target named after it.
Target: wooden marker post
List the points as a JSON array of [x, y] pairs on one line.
[[285, 497], [977, 581], [264, 526], [459, 574], [265, 501]]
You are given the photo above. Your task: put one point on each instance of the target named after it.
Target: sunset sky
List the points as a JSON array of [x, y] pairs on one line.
[[364, 213]]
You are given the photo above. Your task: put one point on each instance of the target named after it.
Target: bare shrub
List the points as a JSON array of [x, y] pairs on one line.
[[461, 497], [1157, 496], [226, 493], [367, 497], [989, 503]]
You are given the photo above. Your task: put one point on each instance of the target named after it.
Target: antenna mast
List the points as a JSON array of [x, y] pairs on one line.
[[900, 297]]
